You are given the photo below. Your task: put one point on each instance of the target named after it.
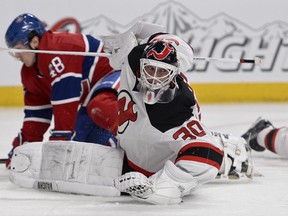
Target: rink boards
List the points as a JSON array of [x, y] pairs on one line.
[[206, 93]]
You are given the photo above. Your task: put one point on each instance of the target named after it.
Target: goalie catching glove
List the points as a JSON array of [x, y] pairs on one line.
[[120, 45], [165, 187]]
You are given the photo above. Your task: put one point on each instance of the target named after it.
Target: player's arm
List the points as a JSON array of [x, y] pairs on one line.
[[36, 122], [37, 118], [67, 73], [38, 109], [65, 99]]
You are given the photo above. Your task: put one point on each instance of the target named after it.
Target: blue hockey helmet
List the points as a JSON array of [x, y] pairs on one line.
[[20, 28]]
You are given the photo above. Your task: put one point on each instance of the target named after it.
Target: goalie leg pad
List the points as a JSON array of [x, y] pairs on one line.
[[68, 166]]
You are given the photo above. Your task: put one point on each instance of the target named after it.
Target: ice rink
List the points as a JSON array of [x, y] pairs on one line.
[[267, 195]]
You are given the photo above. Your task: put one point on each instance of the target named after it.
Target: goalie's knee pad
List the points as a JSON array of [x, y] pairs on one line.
[[167, 186]]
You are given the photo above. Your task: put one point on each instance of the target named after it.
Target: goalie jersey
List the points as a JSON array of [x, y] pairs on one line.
[[152, 134]]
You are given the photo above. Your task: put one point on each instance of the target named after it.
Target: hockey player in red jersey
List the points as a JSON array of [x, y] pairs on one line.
[[168, 151], [263, 135], [79, 92]]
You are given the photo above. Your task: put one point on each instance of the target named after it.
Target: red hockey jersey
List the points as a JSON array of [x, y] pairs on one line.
[[60, 82]]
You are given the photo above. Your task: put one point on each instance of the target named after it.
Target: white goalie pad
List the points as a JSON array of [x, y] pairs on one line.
[[67, 166]]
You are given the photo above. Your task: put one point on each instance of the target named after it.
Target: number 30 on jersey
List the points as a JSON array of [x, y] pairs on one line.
[[192, 130]]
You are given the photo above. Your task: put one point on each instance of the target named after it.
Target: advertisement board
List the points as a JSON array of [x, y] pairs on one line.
[[218, 29]]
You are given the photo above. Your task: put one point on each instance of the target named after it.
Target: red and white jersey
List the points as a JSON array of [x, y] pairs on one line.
[[152, 134]]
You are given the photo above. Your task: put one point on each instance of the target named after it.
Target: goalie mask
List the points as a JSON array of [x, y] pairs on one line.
[[20, 28], [158, 71]]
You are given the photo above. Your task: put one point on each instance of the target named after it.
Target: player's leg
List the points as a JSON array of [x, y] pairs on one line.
[[275, 140], [251, 134], [263, 135]]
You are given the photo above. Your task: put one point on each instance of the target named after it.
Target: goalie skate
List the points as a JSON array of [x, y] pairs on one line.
[[251, 134]]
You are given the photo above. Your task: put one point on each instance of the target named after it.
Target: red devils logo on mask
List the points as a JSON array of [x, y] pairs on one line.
[[160, 55]]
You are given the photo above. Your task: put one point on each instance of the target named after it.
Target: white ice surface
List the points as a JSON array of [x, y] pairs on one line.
[[267, 195]]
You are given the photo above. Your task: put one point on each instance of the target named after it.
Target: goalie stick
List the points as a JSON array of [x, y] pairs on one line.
[[256, 60]]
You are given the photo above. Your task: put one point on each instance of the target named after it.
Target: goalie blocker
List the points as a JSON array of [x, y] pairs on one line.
[[67, 166]]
